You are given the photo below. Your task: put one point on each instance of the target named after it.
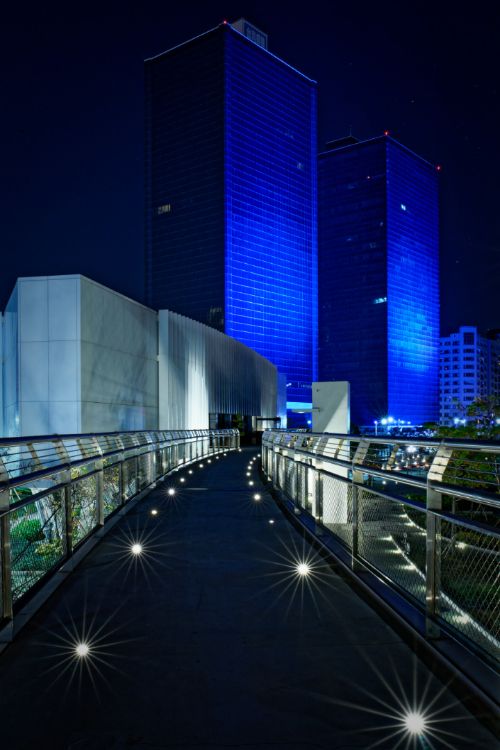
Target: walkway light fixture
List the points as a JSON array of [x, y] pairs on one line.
[[414, 722], [303, 569], [136, 549], [171, 491], [82, 650]]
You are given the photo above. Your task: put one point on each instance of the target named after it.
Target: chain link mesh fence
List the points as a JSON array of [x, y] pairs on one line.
[[470, 584], [392, 543], [111, 489], [337, 508], [37, 541], [84, 511], [290, 486], [302, 497]]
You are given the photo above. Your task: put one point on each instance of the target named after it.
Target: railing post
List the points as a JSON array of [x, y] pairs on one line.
[[355, 526], [5, 558], [99, 466], [123, 480], [66, 479], [100, 492], [432, 565], [152, 466], [306, 486], [434, 502], [68, 516], [357, 479], [319, 500], [391, 461], [289, 475]]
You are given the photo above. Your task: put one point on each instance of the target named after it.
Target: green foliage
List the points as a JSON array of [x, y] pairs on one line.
[[238, 423], [52, 549], [27, 529], [484, 412], [430, 426]]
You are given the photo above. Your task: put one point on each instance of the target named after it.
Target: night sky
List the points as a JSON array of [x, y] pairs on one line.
[[72, 125]]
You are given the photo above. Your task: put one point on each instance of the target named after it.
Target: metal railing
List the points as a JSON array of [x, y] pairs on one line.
[[56, 491], [423, 516]]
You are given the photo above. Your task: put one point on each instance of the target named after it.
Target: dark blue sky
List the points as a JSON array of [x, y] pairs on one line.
[[72, 125]]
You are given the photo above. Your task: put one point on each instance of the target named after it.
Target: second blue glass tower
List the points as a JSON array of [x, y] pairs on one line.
[[379, 279]]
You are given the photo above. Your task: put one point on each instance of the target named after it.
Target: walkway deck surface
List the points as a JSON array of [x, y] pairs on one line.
[[209, 639]]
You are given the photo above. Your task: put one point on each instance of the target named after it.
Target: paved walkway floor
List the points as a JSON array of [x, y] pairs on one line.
[[210, 639]]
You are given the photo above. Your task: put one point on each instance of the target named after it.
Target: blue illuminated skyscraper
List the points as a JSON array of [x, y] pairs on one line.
[[378, 278], [231, 195]]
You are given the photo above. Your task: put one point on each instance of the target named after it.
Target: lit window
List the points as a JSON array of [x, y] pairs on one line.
[[165, 209]]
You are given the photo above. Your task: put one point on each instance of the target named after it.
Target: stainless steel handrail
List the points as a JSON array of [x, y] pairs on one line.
[[431, 545], [57, 490]]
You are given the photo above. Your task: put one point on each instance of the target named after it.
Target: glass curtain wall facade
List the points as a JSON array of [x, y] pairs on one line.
[[379, 279], [184, 180], [231, 197]]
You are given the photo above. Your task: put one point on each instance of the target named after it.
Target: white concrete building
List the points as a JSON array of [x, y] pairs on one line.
[[78, 357], [469, 368], [203, 372]]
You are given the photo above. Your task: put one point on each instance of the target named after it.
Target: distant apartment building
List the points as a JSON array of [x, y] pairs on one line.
[[469, 369]]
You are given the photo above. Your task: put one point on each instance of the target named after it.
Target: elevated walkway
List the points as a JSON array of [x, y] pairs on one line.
[[210, 638]]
